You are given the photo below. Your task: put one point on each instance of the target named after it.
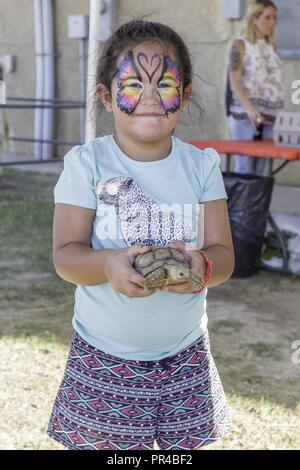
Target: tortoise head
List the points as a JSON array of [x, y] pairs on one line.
[[177, 273]]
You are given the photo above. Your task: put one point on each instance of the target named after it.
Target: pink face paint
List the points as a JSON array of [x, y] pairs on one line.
[[168, 86], [129, 82]]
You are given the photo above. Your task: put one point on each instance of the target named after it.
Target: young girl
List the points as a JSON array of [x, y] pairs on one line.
[[140, 368]]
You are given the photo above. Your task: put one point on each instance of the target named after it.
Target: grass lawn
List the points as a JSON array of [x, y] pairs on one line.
[[253, 323]]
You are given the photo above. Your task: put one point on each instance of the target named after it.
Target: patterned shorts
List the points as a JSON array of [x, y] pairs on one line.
[[109, 403]]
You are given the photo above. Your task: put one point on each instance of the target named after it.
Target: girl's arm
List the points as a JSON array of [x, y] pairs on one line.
[[76, 262], [217, 245], [218, 241], [235, 74]]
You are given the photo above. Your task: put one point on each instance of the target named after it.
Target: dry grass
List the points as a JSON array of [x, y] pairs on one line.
[[252, 328], [31, 373]]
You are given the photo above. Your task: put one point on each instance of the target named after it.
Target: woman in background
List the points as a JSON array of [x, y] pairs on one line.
[[256, 83]]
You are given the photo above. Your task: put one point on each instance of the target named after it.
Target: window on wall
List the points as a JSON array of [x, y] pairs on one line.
[[288, 29]]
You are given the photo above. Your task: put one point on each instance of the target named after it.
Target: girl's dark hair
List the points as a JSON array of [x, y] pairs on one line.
[[132, 33]]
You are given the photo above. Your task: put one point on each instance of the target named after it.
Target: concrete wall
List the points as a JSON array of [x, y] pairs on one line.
[[200, 23], [17, 38]]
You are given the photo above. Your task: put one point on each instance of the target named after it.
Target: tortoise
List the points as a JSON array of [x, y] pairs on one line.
[[162, 266]]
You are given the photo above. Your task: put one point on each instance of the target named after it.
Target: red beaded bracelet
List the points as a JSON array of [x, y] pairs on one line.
[[208, 273]]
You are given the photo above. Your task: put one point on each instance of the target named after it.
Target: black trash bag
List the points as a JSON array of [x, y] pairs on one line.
[[248, 201]]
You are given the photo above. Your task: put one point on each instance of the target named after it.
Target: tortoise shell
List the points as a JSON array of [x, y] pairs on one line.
[[162, 266]]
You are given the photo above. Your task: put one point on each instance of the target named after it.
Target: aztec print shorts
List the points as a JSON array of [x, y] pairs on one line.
[[110, 403]]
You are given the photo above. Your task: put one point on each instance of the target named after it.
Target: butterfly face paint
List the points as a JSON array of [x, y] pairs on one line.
[[130, 81]]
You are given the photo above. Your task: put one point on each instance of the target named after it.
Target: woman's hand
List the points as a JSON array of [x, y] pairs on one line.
[[121, 274], [197, 266], [255, 117]]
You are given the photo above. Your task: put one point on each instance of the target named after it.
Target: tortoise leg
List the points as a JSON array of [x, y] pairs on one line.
[[196, 278], [155, 279]]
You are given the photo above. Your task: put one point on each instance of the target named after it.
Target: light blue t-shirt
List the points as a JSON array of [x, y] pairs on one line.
[[139, 203]]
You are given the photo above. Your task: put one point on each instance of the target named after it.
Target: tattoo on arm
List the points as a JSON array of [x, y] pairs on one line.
[[235, 58]]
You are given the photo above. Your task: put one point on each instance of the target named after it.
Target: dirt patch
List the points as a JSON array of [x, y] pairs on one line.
[[253, 326]]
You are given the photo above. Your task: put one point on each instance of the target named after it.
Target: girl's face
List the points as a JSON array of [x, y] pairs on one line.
[[266, 22], [146, 93]]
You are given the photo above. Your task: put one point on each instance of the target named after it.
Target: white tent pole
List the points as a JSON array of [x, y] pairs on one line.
[[49, 76], [94, 30]]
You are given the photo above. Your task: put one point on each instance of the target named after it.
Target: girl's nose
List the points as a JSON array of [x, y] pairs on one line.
[[149, 95]]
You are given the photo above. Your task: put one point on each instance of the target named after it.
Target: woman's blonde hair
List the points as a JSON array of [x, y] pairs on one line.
[[254, 11]]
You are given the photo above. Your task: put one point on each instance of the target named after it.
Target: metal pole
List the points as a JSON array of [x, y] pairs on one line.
[[55, 100], [49, 75], [40, 106], [39, 52], [90, 123]]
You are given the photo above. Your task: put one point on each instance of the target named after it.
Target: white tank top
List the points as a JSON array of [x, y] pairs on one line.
[[262, 78]]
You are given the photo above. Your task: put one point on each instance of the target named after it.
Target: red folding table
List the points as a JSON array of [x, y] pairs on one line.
[[257, 149]]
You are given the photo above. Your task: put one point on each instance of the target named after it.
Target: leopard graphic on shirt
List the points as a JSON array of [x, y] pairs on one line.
[[142, 219]]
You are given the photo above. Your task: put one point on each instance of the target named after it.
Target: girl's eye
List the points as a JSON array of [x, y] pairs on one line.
[[133, 84], [164, 85]]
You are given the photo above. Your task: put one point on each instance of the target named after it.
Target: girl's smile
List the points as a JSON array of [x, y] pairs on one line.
[[150, 116]]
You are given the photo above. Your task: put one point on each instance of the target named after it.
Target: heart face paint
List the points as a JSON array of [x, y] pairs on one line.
[[150, 67], [130, 82]]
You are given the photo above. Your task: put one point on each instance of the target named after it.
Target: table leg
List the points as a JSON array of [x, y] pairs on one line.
[[227, 162], [276, 229], [279, 235], [270, 167]]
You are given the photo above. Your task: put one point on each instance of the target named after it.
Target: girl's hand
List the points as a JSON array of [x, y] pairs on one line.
[[197, 265], [121, 274]]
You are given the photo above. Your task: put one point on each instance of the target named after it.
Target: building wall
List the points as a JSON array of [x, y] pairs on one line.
[[200, 23], [17, 38]]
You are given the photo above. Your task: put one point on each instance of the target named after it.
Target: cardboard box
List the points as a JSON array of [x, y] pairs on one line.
[[287, 129]]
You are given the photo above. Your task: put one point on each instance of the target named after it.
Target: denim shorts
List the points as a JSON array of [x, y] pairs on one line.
[[109, 403]]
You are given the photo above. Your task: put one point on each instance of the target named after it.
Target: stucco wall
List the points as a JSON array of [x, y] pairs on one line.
[[201, 24]]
